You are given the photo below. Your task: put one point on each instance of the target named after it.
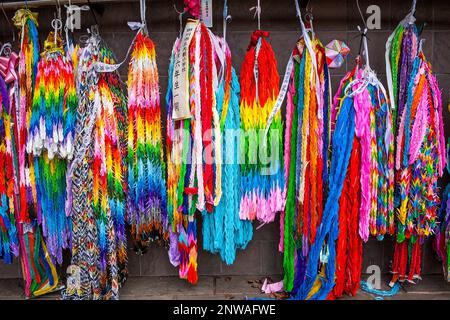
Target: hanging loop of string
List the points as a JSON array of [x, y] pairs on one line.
[[226, 19], [180, 19], [57, 22], [143, 9], [139, 26], [363, 48], [309, 17], [410, 17], [257, 14], [56, 25], [361, 14], [413, 7]]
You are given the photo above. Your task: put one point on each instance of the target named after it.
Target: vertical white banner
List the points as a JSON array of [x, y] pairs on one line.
[[180, 81], [206, 13]]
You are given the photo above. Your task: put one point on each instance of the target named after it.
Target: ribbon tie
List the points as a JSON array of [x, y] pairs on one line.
[[255, 37], [8, 66]]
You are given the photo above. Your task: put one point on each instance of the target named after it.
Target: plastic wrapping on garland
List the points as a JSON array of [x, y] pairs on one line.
[[147, 211], [262, 172], [223, 230], [99, 257], [306, 157], [420, 146], [37, 267], [50, 141]]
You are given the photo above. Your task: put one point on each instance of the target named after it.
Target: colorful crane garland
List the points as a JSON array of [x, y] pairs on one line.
[[262, 174], [147, 197], [40, 130], [223, 230], [420, 146], [100, 263], [37, 267], [50, 141], [192, 124], [364, 210], [9, 243], [307, 141]]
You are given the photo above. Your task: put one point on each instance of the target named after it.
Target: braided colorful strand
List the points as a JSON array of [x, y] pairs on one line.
[[147, 212]]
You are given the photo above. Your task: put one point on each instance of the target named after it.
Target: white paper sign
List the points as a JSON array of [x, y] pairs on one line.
[[180, 81], [206, 13]]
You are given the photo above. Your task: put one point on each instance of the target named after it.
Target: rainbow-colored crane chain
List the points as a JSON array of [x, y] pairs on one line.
[[146, 203], [50, 141]]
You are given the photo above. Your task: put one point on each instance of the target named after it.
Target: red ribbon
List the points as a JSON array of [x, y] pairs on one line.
[[255, 37]]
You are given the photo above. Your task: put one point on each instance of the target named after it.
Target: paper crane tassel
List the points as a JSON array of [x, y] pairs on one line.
[[147, 212], [262, 172]]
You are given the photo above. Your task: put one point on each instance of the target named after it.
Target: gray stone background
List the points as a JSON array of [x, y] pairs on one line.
[[332, 20]]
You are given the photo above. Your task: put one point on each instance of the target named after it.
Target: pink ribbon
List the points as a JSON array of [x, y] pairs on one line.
[[8, 66]]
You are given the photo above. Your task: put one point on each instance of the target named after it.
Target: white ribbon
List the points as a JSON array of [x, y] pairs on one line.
[[281, 94], [257, 9], [135, 26], [256, 69]]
